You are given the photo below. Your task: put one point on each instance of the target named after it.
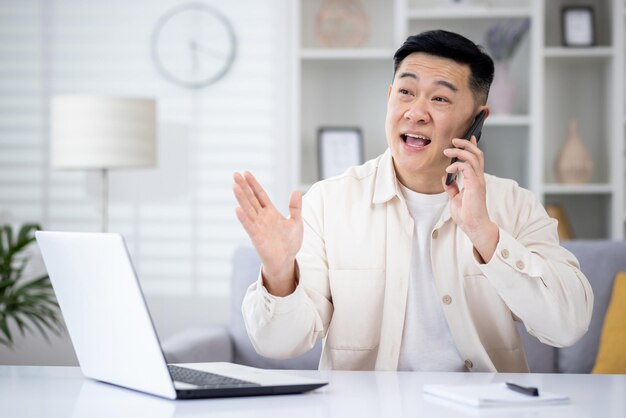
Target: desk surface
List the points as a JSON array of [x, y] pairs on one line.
[[62, 392]]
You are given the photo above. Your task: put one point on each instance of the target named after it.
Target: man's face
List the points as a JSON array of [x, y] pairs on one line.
[[429, 103]]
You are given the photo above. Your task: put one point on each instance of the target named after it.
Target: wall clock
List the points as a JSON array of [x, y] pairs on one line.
[[193, 45]]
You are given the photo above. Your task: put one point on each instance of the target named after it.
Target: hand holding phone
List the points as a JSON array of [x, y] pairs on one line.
[[474, 130]]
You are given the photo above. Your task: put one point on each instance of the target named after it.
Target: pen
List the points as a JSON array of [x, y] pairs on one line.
[[526, 390]]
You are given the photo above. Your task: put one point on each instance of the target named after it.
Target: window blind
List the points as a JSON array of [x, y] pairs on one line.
[[178, 218]]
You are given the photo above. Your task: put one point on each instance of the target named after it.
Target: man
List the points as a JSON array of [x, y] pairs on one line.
[[395, 269]]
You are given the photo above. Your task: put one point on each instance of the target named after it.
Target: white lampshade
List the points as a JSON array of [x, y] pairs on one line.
[[103, 132]]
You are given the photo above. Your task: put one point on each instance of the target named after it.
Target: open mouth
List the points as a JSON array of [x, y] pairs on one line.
[[417, 141]]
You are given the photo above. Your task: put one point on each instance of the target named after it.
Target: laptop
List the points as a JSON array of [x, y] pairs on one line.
[[113, 335]]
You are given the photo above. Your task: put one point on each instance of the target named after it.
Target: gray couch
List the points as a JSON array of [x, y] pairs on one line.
[[600, 261], [231, 343]]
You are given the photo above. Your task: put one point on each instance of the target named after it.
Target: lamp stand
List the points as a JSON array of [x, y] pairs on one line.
[[105, 198]]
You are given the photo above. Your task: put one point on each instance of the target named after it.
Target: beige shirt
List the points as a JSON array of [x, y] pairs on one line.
[[354, 273]]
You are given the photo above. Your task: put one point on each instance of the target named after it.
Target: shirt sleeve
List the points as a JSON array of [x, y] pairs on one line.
[[286, 327], [540, 281]]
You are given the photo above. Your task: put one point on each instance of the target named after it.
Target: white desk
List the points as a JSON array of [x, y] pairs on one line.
[[63, 392]]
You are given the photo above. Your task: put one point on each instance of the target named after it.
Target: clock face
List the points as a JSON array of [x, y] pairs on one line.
[[193, 45]]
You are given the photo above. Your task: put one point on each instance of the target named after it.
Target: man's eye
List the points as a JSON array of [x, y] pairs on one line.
[[404, 91], [441, 99]]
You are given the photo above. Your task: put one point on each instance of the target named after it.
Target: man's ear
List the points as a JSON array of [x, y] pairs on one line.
[[486, 109], [389, 91]]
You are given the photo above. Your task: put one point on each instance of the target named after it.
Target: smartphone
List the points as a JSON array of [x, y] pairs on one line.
[[474, 130]]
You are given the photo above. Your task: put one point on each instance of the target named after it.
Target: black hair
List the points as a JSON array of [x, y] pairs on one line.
[[453, 46]]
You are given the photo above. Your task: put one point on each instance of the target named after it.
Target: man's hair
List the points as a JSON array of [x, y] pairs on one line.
[[453, 46]]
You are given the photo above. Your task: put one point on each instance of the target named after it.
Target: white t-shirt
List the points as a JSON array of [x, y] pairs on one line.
[[427, 344]]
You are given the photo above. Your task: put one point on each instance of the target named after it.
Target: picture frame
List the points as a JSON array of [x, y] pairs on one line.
[[338, 148], [578, 26]]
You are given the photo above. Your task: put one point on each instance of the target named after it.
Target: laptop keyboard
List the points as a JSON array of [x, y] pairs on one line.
[[206, 379]]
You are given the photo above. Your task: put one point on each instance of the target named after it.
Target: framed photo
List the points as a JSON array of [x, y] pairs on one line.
[[578, 26], [337, 149]]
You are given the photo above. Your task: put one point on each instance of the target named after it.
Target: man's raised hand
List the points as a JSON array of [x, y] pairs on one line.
[[276, 239]]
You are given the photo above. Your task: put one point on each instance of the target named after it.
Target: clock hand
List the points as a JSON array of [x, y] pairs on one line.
[[206, 50], [194, 55]]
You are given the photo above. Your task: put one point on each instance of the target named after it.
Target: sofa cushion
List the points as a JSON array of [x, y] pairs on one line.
[[600, 261], [196, 345], [612, 350]]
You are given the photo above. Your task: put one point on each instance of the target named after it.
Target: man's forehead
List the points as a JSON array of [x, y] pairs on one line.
[[425, 65]]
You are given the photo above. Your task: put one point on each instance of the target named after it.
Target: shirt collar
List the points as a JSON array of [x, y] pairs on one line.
[[386, 185]]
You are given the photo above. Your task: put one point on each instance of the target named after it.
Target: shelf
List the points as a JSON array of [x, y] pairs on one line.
[[346, 54], [468, 13], [577, 189], [508, 120], [592, 52]]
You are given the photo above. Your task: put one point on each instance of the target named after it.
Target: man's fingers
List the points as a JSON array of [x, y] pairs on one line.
[[471, 146], [467, 151], [465, 156], [460, 167], [244, 202], [258, 190], [247, 191], [295, 205], [245, 221], [452, 189]]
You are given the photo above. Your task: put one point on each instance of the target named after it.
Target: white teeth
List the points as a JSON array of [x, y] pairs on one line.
[[417, 136]]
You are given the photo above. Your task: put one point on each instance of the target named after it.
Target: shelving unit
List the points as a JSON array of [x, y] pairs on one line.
[[348, 87], [586, 84]]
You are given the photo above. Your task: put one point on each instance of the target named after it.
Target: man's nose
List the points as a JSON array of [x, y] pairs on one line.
[[417, 112]]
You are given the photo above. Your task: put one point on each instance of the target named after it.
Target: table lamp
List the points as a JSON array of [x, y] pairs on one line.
[[101, 133]]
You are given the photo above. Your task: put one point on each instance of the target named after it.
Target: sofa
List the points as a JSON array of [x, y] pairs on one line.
[[600, 261]]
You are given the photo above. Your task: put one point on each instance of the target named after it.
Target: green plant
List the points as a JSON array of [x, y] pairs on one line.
[[26, 303]]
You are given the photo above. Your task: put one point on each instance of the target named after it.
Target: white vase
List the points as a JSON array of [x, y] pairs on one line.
[[573, 164], [502, 93]]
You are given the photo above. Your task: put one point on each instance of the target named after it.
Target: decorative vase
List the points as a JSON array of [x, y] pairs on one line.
[[564, 229], [502, 93], [573, 164], [341, 24]]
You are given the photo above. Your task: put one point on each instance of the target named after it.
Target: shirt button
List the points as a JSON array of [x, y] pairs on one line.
[[520, 264], [504, 253], [469, 364], [446, 299], [435, 234]]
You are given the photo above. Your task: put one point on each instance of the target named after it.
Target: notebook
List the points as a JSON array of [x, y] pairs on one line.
[[113, 335], [491, 395]]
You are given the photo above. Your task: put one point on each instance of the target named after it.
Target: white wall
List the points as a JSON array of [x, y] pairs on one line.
[[178, 218]]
